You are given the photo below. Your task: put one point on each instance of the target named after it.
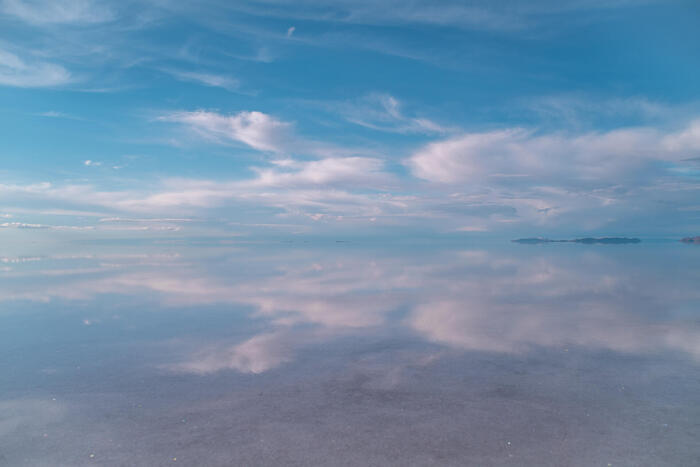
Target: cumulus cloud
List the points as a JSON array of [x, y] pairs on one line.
[[485, 181], [505, 154], [588, 180], [30, 73]]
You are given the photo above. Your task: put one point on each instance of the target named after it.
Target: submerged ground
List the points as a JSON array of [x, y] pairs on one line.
[[359, 353]]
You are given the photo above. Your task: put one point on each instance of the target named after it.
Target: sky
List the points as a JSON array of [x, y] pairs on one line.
[[253, 118]]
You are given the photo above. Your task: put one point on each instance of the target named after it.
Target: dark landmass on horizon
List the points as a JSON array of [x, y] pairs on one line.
[[586, 240], [691, 240]]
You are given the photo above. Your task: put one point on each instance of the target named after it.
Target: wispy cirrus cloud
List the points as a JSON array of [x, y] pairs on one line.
[[358, 172], [498, 16], [207, 79], [336, 187], [24, 225], [383, 112], [55, 114], [31, 72], [257, 130], [40, 12], [579, 110], [295, 197]]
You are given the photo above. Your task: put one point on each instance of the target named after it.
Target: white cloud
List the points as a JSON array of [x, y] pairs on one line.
[[55, 114], [255, 129], [350, 193], [683, 144], [489, 181], [472, 228], [383, 112], [355, 171], [24, 225], [333, 189], [555, 158], [294, 195], [258, 130], [391, 12], [18, 72], [579, 110], [208, 79], [290, 31], [91, 163], [122, 219], [497, 16], [57, 11]]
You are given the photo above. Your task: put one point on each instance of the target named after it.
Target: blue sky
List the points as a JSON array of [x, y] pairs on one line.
[[355, 117]]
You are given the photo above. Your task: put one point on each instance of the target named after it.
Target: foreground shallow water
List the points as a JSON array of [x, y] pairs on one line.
[[359, 353]]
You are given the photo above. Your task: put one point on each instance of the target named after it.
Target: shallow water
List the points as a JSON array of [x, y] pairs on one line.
[[357, 353]]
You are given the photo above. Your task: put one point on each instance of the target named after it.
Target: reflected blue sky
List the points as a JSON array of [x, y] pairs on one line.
[[329, 352]]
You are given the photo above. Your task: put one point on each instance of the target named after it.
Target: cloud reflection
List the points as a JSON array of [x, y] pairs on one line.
[[255, 355], [473, 300]]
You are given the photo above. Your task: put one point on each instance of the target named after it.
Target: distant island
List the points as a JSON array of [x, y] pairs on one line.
[[691, 240], [587, 240]]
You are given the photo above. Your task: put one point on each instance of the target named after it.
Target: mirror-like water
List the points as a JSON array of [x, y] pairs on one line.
[[350, 354]]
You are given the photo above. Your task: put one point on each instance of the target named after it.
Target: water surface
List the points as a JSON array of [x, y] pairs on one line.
[[354, 353]]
